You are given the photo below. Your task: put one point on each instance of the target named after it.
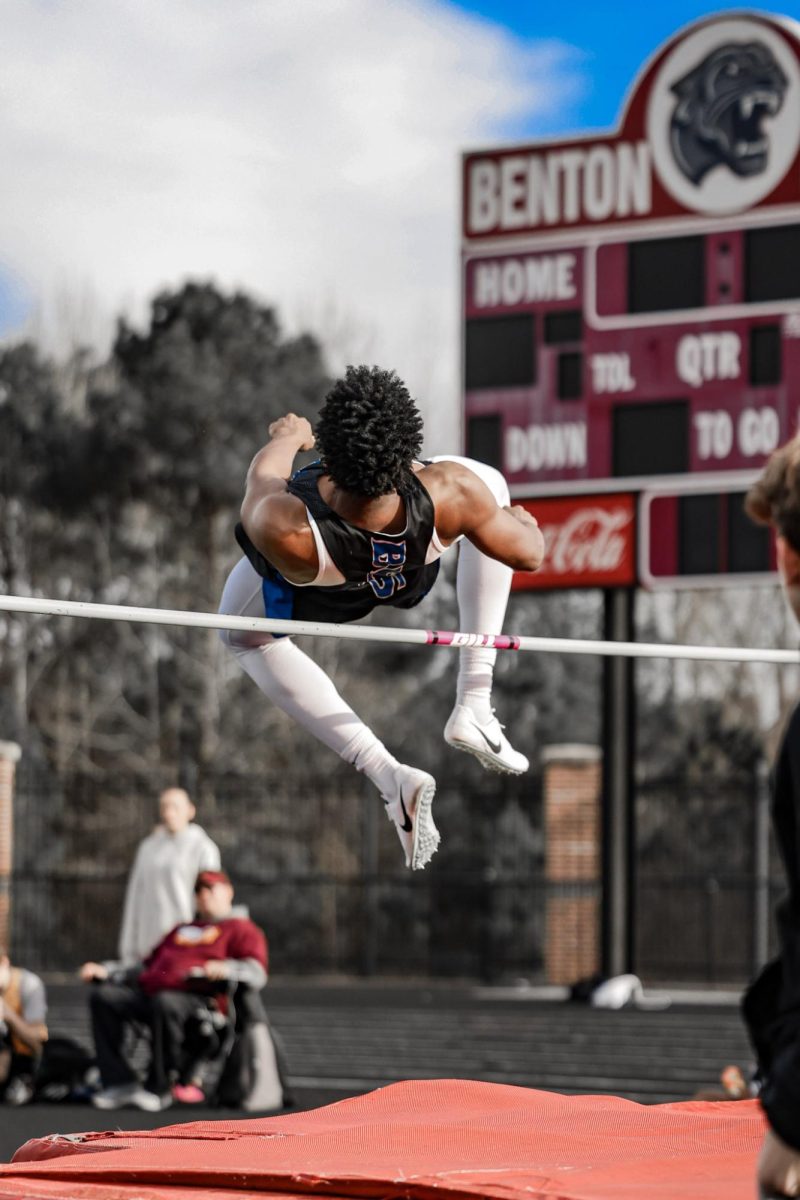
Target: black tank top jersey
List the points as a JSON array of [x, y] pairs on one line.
[[378, 568]]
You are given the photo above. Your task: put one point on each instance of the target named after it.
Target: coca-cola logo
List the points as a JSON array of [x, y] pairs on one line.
[[591, 540]]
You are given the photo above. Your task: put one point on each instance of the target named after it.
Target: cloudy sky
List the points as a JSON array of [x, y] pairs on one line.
[[306, 150]]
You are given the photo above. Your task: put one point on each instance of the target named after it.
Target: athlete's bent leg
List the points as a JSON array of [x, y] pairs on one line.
[[482, 587], [301, 689]]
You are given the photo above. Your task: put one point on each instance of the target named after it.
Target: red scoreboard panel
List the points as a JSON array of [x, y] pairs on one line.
[[631, 302], [700, 538]]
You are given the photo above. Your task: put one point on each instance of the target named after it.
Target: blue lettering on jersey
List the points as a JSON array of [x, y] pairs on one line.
[[388, 560]]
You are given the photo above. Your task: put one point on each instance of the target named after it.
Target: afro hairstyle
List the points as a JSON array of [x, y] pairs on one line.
[[369, 432]]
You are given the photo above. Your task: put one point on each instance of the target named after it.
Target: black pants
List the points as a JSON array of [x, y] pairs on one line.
[[772, 1003], [115, 1007], [13, 1064]]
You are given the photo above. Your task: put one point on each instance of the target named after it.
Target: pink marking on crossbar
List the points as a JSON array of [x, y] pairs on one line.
[[506, 641], [496, 641]]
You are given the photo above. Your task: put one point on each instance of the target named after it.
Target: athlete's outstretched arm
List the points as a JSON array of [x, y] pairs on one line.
[[272, 466], [273, 519], [511, 534]]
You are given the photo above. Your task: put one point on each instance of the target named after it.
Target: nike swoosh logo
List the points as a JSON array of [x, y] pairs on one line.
[[492, 746], [406, 826]]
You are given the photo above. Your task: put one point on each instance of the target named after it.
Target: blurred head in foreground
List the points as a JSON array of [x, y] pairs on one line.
[[774, 499]]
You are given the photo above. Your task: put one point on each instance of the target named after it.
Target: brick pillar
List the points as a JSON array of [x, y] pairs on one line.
[[572, 789], [9, 757]]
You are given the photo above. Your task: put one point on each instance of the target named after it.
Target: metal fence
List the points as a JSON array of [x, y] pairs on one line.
[[707, 879], [323, 875], [447, 926], [321, 870]]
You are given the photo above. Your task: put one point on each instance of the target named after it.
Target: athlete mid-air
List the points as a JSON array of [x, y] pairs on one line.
[[363, 527]]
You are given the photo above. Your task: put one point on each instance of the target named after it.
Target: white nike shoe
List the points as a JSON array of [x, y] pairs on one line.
[[116, 1096], [149, 1101], [409, 809], [486, 741]]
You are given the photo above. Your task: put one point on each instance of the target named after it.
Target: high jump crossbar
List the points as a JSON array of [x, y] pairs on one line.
[[382, 633]]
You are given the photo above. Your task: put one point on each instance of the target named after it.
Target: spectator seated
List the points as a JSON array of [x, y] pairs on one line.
[[23, 1030], [197, 995]]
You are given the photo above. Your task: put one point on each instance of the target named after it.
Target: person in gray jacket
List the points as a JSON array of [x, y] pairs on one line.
[[160, 891]]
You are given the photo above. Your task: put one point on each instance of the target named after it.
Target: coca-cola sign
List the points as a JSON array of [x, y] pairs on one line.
[[590, 541]]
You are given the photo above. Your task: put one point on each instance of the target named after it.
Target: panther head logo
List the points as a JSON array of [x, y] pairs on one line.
[[721, 105]]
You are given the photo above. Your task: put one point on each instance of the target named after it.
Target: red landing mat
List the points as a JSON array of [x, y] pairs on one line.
[[419, 1141]]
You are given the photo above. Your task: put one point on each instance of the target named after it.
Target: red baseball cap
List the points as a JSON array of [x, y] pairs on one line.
[[209, 878]]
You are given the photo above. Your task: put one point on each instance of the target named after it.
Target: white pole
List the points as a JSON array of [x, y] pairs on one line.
[[381, 633]]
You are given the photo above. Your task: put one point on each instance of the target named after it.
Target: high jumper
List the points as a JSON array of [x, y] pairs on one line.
[[364, 527]]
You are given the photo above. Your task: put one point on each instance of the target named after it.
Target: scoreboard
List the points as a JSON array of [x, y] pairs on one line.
[[631, 302]]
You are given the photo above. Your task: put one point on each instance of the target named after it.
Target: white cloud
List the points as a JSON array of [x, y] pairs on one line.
[[304, 149]]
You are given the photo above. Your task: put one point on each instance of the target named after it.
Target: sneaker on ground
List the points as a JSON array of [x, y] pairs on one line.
[[188, 1093], [19, 1091], [116, 1096], [486, 741], [409, 809], [148, 1101]]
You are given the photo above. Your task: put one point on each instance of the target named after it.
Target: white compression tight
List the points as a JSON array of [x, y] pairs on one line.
[[295, 683], [482, 588]]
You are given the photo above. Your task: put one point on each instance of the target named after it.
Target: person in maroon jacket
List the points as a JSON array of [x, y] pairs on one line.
[[164, 993]]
